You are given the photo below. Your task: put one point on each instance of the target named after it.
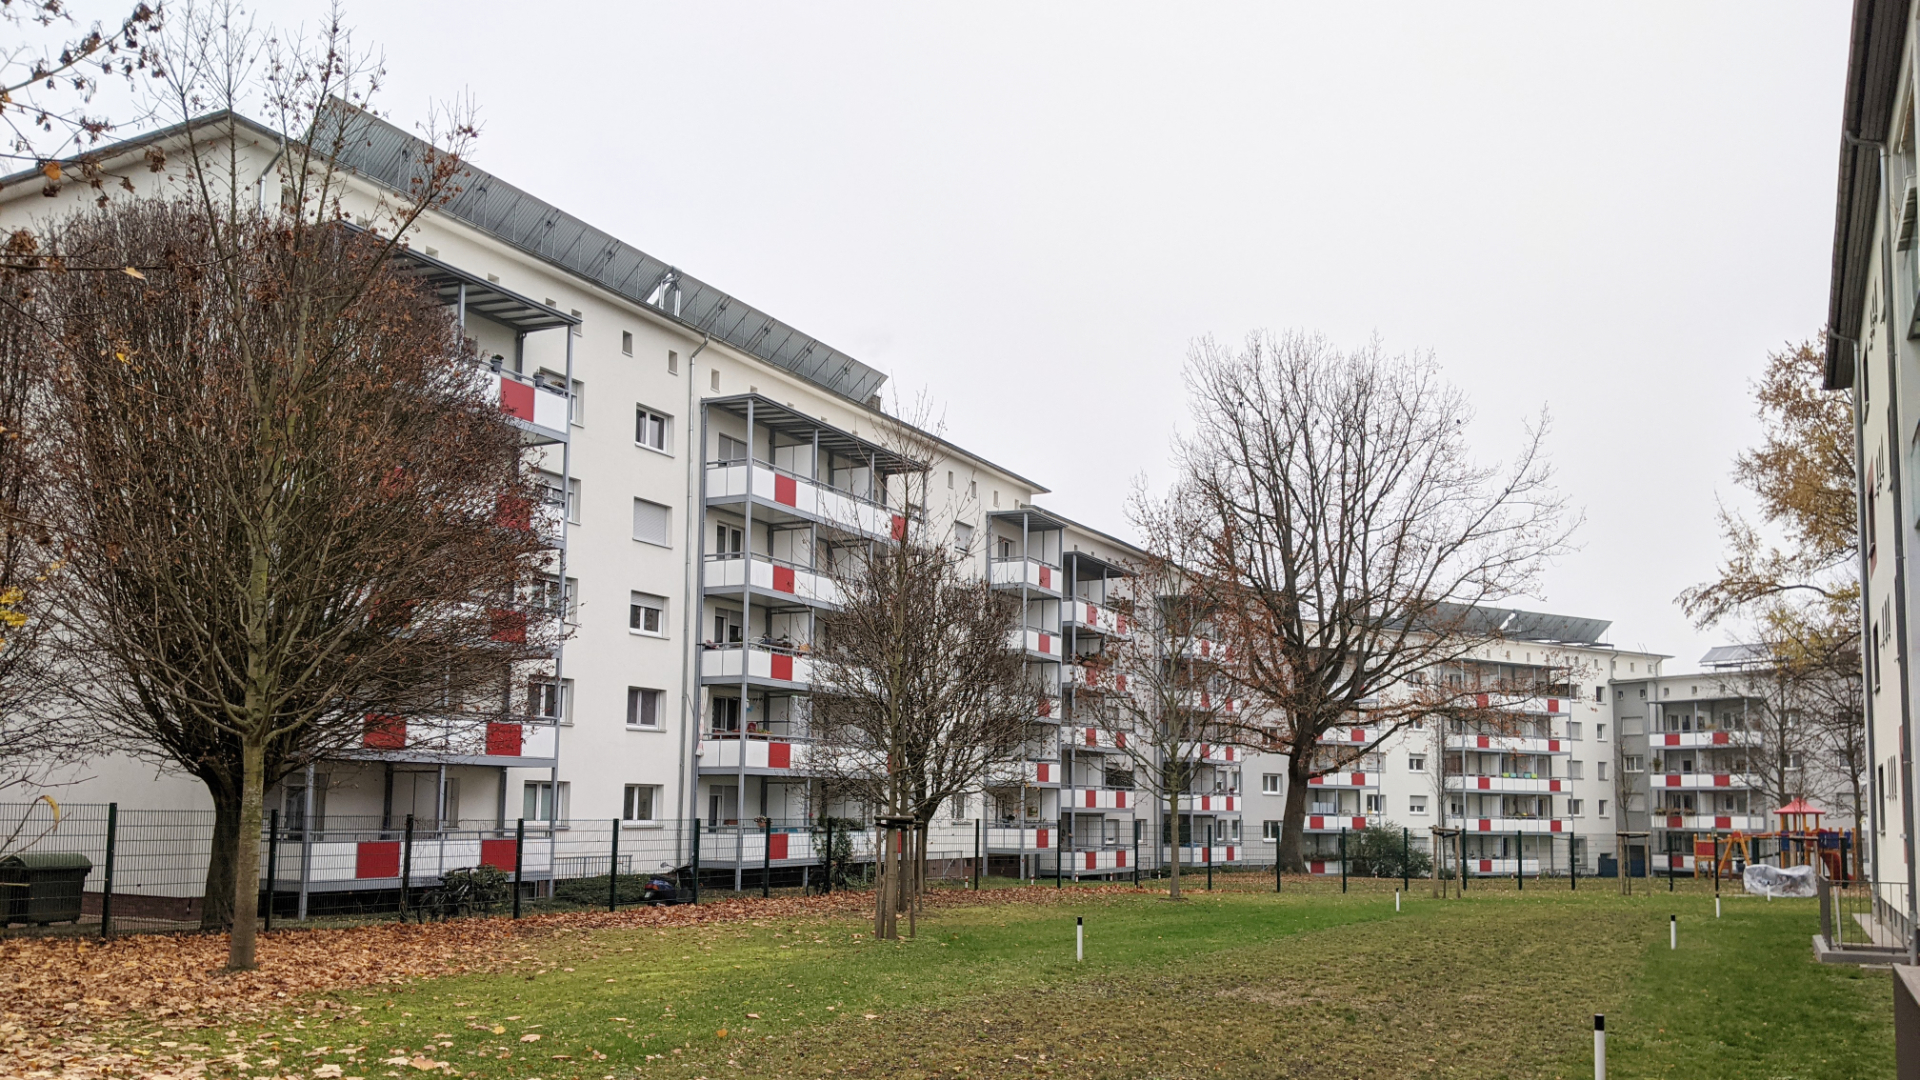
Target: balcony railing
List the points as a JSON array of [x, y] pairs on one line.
[[1508, 784], [1210, 803], [1087, 615], [1515, 824], [1694, 821], [1029, 572], [1511, 744], [1346, 780], [1703, 739], [1350, 736], [774, 575], [531, 401], [806, 497], [439, 738], [1041, 643], [1097, 798], [766, 663], [1702, 781]]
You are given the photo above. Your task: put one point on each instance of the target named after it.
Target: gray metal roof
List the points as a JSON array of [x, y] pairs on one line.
[[389, 155], [1538, 626], [1726, 656]]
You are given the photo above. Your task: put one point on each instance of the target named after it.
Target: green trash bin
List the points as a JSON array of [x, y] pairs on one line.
[[43, 886]]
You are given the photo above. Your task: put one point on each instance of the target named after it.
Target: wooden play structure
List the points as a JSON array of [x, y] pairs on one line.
[[1798, 841]]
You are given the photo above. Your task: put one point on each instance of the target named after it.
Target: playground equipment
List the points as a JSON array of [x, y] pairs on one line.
[[1799, 841]]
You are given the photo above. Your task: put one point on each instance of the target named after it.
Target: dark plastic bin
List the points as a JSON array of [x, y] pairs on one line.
[[43, 887]]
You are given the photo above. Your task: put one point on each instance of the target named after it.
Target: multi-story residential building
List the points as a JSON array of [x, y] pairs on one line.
[[1525, 768], [1873, 316], [1687, 771]]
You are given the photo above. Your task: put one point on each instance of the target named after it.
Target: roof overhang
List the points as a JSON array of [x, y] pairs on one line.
[[1873, 86], [803, 428]]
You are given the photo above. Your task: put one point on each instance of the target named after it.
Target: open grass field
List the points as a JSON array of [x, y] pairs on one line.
[[1236, 983]]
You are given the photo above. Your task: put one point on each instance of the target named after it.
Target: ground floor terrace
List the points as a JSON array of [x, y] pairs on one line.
[[1236, 982]]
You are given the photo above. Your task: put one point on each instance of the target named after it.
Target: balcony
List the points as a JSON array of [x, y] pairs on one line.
[[758, 754], [1099, 679], [1036, 644], [1350, 736], [1010, 839], [1510, 744], [1206, 649], [535, 407], [1031, 773], [802, 497], [1091, 738], [1509, 825], [1687, 740], [457, 741], [1508, 785], [1102, 799], [1702, 781], [1028, 573], [1321, 823], [1213, 753], [1087, 616], [1693, 821], [1117, 858], [1503, 867], [1217, 803], [773, 579], [1346, 780], [1528, 704], [1192, 855], [768, 666]]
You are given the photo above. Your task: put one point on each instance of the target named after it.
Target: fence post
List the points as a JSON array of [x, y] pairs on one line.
[[1670, 859], [1519, 861], [1136, 852], [1059, 841], [1343, 859], [1463, 855], [273, 860], [406, 867], [613, 870], [519, 846], [696, 856], [1209, 856], [106, 890], [826, 861], [1406, 859], [766, 857], [979, 836], [1573, 863], [1276, 864]]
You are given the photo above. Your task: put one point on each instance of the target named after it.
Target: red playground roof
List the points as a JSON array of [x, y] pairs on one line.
[[1800, 806]]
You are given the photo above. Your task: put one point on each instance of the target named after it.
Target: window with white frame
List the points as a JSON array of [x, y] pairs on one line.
[[1573, 729], [652, 523], [1600, 806], [626, 342], [1599, 733], [1575, 807], [1416, 804], [962, 537], [642, 803], [1600, 769], [542, 800], [651, 429], [1270, 831], [647, 614], [1576, 770], [548, 700], [643, 707], [1373, 804], [1416, 763], [1269, 783]]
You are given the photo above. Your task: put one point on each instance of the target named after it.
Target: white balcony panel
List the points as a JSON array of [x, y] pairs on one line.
[[811, 586], [1706, 740], [1210, 804], [1034, 574], [1512, 785], [726, 662], [1510, 744], [1092, 616], [1703, 781]]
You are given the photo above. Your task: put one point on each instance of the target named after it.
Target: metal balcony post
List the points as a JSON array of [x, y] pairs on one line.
[[106, 891], [519, 846]]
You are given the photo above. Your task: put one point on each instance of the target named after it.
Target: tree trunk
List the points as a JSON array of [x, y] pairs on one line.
[[246, 857], [216, 902], [1173, 834], [1293, 822], [885, 924]]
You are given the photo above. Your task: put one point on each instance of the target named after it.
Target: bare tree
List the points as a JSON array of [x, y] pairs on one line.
[[1156, 689], [916, 688], [1355, 540], [50, 75]]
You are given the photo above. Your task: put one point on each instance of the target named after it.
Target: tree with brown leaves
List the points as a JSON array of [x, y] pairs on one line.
[[50, 75], [1355, 540]]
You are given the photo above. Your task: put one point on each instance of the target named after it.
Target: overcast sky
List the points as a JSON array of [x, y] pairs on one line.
[[1609, 211]]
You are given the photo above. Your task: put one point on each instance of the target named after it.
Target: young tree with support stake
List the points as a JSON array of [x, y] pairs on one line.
[[1354, 537], [1157, 690], [916, 690]]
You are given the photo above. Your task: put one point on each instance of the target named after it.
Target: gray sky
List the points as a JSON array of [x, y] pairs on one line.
[[1612, 211]]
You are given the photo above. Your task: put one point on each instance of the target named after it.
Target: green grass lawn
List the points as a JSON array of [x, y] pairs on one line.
[[1231, 984]]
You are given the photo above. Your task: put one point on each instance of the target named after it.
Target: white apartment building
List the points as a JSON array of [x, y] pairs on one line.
[[1873, 317], [1532, 781]]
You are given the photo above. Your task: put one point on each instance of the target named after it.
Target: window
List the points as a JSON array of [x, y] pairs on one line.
[[548, 701], [1600, 770], [1416, 763], [949, 479], [1628, 763], [643, 707], [647, 614], [1416, 804], [973, 489], [1573, 729], [726, 627], [732, 449], [1599, 733], [1573, 807], [1576, 770], [714, 379], [1270, 831], [626, 342], [673, 362], [641, 803], [577, 404], [540, 801], [1600, 694], [552, 599], [1270, 784], [1373, 804], [650, 429], [727, 539], [1601, 807], [962, 537], [652, 523]]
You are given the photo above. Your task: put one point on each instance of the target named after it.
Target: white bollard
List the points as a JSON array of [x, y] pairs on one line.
[[1599, 1047], [1396, 899], [1716, 907], [1079, 938], [1673, 931]]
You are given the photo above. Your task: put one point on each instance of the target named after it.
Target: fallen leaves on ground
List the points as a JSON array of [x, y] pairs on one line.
[[66, 999]]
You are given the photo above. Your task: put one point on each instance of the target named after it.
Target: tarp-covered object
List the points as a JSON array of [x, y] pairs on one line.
[[1778, 880]]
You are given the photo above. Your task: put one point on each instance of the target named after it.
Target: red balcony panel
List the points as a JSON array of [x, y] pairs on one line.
[[783, 579], [1120, 623], [1481, 742], [1555, 825], [1673, 821], [1316, 823], [497, 854], [1553, 746], [777, 846], [779, 755], [1720, 738], [384, 733], [1046, 706], [1358, 735], [1093, 614], [785, 491], [781, 666], [1092, 858], [503, 740], [1120, 682], [1120, 799], [516, 399], [376, 859], [509, 626], [1360, 778], [1041, 771], [1120, 739], [1039, 838], [1723, 823], [1359, 823], [1722, 780], [1120, 858], [1090, 800], [1553, 704], [1673, 780], [1046, 644], [1046, 577], [512, 513], [1486, 825], [1229, 852], [1316, 780], [1486, 866], [1316, 868], [1480, 700], [1093, 737], [1671, 740], [899, 527], [1486, 782]]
